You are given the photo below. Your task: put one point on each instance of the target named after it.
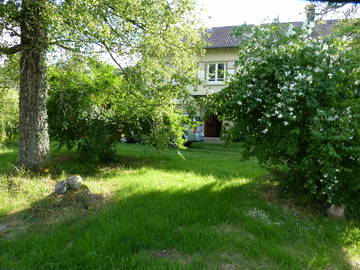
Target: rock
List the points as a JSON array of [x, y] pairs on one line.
[[336, 211], [74, 182], [61, 187]]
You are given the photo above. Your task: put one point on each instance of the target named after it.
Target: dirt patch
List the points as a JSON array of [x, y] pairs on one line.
[[10, 227], [171, 254], [230, 266], [234, 230], [235, 261]]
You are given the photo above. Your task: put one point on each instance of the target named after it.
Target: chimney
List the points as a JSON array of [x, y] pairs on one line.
[[310, 12]]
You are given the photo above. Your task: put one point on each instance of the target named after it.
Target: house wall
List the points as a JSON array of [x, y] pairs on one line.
[[227, 55]]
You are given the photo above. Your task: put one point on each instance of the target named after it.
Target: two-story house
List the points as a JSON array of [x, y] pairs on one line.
[[215, 66]]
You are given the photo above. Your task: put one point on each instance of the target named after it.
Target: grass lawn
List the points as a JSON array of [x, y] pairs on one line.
[[204, 208]]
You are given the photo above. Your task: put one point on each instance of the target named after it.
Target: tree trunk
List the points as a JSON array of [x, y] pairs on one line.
[[34, 138]]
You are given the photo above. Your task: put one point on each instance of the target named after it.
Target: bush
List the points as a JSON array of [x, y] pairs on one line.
[[296, 101], [92, 106]]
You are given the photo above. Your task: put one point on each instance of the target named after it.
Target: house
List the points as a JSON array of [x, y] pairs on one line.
[[218, 64]]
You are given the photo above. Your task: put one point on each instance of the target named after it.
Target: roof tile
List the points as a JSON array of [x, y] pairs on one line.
[[222, 37]]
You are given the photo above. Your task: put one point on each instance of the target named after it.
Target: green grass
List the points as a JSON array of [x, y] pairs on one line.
[[202, 208]]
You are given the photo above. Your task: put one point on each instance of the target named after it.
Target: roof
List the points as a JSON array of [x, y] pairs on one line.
[[222, 37]]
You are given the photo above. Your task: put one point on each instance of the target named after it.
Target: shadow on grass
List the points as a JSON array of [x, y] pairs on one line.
[[212, 227], [220, 161], [51, 210]]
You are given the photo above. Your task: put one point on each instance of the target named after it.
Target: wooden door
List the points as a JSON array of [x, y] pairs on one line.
[[212, 126]]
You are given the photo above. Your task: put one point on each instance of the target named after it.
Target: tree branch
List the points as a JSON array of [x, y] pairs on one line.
[[116, 62], [13, 31], [11, 50], [65, 47]]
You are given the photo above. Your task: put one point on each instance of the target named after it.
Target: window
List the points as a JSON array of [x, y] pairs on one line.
[[216, 72]]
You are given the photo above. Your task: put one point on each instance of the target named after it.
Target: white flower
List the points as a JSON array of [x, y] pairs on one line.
[[317, 69], [239, 102], [290, 31], [265, 131], [286, 123], [330, 75], [280, 116], [300, 76], [342, 71], [309, 79]]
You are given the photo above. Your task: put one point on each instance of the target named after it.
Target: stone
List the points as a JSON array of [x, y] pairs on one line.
[[74, 182], [61, 187], [336, 211]]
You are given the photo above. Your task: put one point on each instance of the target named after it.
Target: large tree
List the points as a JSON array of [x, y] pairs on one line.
[[160, 33]]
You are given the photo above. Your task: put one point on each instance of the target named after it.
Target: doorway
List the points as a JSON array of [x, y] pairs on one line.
[[212, 126]]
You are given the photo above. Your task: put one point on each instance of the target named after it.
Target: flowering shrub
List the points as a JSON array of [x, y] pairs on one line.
[[295, 100]]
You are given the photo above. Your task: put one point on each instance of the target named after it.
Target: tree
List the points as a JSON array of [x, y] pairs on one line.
[[159, 33], [348, 26], [295, 100]]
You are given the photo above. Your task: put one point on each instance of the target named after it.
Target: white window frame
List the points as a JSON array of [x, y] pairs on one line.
[[216, 72]]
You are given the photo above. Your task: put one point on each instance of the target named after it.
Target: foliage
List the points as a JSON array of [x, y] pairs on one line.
[[162, 37], [351, 28], [9, 116], [9, 100], [296, 101], [92, 106]]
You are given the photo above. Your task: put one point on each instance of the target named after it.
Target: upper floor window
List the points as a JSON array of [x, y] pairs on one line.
[[216, 72]]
